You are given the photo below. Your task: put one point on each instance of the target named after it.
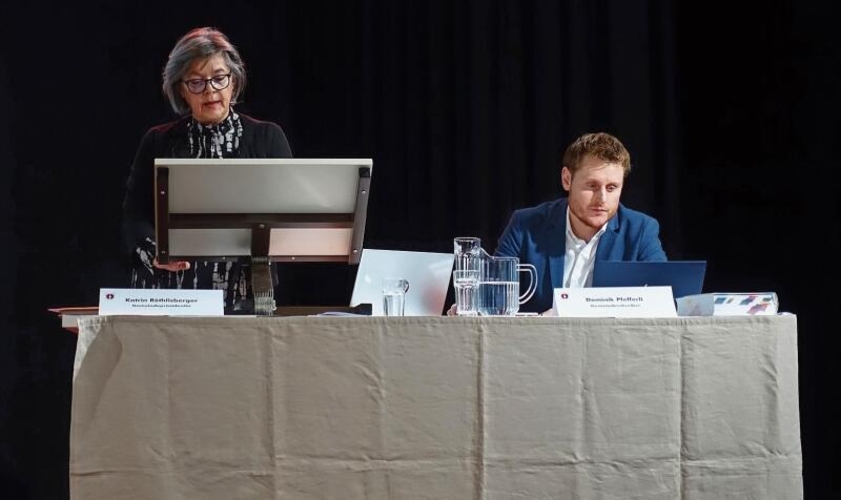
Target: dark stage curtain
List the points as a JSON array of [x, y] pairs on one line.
[[466, 108]]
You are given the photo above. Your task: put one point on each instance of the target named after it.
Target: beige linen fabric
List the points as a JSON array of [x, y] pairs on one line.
[[436, 408]]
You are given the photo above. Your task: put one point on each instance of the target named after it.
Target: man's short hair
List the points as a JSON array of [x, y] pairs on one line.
[[600, 145]]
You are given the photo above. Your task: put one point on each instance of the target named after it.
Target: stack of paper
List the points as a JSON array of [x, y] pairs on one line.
[[71, 315], [728, 304]]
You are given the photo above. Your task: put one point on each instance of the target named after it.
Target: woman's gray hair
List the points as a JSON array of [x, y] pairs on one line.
[[200, 43]]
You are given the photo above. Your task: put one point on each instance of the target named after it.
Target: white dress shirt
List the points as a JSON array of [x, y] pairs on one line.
[[580, 257]]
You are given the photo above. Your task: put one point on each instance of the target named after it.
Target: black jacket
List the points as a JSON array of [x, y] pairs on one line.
[[259, 140]]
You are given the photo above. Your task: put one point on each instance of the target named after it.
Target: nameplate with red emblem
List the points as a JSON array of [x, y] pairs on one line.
[[159, 302], [623, 302]]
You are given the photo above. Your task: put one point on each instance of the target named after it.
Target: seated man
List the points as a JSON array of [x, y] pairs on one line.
[[564, 238]]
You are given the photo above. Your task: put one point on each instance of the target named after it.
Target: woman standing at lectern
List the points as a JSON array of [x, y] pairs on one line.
[[203, 79]]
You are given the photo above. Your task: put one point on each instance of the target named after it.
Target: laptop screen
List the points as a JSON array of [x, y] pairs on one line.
[[686, 277], [428, 274]]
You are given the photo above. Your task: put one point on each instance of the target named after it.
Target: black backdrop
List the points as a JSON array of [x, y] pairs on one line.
[[465, 106]]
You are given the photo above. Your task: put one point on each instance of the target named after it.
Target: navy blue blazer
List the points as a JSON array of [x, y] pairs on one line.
[[537, 235]]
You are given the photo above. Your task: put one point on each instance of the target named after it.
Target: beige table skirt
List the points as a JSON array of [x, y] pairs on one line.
[[436, 408]]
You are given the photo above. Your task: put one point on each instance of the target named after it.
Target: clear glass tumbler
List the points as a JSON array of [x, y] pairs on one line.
[[394, 296]]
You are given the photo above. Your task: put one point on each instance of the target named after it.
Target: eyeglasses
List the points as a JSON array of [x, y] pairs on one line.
[[218, 82]]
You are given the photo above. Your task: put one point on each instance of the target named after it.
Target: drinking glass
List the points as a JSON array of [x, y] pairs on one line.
[[468, 255], [394, 296]]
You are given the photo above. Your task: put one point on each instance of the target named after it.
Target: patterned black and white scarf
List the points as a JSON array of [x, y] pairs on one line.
[[218, 140]]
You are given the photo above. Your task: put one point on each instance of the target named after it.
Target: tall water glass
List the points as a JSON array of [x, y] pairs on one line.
[[466, 272]]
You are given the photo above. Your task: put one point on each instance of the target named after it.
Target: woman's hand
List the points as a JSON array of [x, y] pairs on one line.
[[175, 265]]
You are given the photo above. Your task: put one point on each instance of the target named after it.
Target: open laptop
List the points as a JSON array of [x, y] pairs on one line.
[[686, 277], [428, 274]]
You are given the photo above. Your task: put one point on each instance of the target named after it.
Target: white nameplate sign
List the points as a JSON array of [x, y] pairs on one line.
[[158, 302], [624, 302]]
